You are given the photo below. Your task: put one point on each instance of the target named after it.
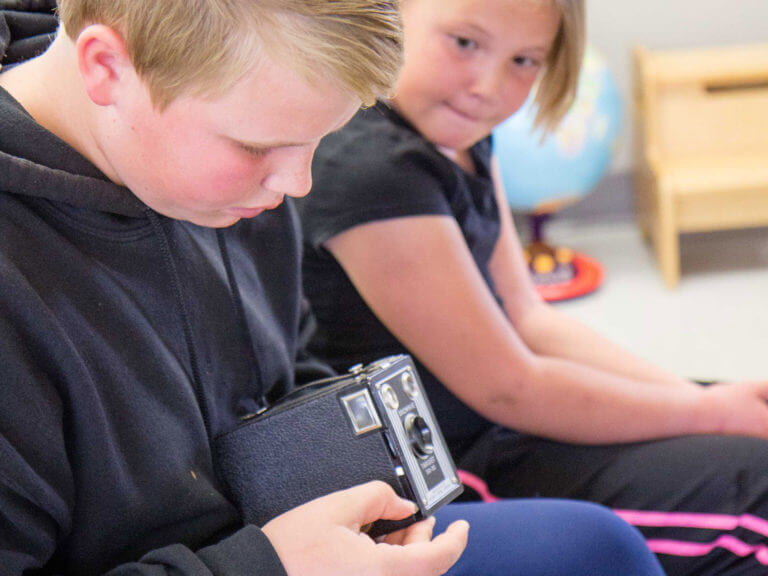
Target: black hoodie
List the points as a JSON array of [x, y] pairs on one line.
[[127, 342]]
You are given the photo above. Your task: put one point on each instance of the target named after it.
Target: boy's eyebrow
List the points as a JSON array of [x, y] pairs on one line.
[[280, 144]]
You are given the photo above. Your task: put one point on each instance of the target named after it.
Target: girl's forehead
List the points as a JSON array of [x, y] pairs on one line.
[[480, 10], [495, 16], [481, 5]]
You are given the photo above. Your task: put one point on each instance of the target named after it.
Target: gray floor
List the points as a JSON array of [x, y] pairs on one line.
[[714, 325]]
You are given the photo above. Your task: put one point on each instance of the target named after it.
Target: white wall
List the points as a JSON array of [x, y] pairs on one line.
[[615, 26]]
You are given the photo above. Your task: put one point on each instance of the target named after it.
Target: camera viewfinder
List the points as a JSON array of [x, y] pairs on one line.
[[361, 412]]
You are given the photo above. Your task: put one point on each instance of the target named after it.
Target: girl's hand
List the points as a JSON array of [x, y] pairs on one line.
[[736, 408]]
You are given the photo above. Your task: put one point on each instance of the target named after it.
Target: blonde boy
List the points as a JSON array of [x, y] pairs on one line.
[[144, 309]]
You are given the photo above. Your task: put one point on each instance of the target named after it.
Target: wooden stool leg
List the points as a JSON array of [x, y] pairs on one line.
[[667, 240], [644, 214]]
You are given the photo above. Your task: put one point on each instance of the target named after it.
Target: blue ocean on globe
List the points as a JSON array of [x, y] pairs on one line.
[[570, 161]]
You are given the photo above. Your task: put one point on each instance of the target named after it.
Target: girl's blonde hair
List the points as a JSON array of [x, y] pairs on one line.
[[556, 89], [202, 47]]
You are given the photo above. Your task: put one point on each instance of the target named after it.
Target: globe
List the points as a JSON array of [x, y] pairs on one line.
[[541, 175]]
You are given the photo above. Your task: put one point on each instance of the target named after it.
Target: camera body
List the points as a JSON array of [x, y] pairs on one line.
[[374, 423]]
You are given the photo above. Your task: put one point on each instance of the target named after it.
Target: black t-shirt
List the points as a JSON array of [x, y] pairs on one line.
[[378, 167]]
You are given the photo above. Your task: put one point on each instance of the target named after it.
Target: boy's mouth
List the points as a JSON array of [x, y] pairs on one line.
[[243, 212]]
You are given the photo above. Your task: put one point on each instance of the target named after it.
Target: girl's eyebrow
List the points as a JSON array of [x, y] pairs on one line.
[[469, 27], [538, 50]]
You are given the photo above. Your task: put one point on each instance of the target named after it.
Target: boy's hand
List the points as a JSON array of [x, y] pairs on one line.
[[323, 537]]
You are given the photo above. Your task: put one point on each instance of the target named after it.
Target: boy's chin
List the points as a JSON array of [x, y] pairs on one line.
[[213, 220]]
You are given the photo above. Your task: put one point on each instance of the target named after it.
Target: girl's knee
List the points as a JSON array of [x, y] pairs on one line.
[[613, 544], [541, 536]]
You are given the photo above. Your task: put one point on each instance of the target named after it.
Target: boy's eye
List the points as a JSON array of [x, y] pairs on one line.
[[254, 150]]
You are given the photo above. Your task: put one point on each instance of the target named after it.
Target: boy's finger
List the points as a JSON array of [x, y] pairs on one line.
[[369, 502], [419, 532], [428, 558]]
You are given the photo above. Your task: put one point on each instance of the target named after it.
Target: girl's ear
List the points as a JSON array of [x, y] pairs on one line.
[[103, 63]]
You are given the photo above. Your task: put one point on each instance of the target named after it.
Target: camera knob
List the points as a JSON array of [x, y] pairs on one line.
[[419, 434]]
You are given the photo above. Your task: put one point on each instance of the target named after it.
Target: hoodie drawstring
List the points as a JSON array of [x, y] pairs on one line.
[[256, 376], [165, 249]]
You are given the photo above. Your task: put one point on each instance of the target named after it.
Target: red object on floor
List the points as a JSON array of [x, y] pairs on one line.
[[587, 278]]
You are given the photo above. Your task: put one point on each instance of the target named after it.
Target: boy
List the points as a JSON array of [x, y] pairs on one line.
[[135, 327]]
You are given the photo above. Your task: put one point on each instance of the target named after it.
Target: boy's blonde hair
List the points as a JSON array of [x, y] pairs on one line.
[[202, 47], [556, 89]]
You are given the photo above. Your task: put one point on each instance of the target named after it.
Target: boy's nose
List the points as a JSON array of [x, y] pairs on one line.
[[291, 175]]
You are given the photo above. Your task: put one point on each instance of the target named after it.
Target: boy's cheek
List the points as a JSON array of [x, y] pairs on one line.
[[227, 176]]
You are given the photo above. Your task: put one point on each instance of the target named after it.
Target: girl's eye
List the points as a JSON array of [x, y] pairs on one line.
[[526, 62], [465, 43]]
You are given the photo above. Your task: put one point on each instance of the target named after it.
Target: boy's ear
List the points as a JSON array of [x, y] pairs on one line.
[[103, 62]]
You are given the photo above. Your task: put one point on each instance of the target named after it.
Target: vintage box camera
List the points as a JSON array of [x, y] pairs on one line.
[[374, 423]]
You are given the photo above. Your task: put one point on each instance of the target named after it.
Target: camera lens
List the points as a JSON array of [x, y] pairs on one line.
[[409, 384], [389, 396], [420, 435]]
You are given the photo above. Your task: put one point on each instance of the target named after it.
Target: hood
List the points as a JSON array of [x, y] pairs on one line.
[[26, 28], [34, 160]]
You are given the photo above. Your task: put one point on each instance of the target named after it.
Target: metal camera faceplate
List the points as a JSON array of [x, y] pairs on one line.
[[417, 438]]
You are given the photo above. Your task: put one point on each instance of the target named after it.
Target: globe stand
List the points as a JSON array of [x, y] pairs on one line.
[[558, 272], [543, 169]]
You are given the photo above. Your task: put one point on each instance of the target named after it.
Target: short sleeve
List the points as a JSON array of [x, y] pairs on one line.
[[376, 168]]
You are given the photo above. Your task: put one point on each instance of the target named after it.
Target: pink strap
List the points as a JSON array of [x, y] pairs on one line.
[[478, 485], [674, 520]]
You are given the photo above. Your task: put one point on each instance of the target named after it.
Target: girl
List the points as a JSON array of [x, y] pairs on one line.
[[411, 248]]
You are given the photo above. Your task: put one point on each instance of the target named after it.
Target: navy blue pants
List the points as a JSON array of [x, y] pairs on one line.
[[543, 537]]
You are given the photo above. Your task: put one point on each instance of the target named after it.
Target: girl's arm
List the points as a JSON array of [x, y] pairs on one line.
[[546, 330], [418, 276]]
